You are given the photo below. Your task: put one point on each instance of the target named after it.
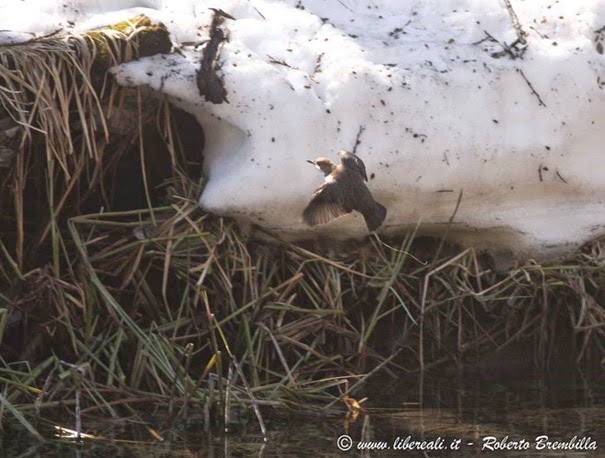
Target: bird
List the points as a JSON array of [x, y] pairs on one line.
[[343, 191]]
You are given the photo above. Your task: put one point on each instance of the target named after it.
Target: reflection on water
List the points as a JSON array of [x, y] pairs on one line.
[[499, 414], [466, 410]]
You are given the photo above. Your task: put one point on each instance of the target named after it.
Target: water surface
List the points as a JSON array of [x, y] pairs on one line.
[[443, 411]]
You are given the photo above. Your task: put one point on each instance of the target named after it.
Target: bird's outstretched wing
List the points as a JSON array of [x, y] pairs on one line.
[[353, 161], [327, 204]]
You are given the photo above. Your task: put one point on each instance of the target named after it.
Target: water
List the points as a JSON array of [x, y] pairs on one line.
[[455, 408]]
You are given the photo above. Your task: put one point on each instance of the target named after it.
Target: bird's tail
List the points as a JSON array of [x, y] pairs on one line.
[[375, 219]]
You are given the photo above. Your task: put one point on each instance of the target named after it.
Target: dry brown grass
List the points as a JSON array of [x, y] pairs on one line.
[[117, 303]]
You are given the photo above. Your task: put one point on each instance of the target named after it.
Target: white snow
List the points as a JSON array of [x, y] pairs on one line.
[[437, 115]]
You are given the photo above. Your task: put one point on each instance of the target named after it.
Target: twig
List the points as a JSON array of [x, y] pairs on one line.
[[560, 177], [259, 417], [449, 223], [426, 282], [425, 289], [241, 374], [487, 37], [227, 413], [80, 371], [357, 138], [44, 391], [538, 32], [280, 355], [512, 50], [273, 60], [540, 173], [343, 4], [259, 13], [540, 101], [188, 349], [407, 253], [32, 40], [515, 19], [185, 359]]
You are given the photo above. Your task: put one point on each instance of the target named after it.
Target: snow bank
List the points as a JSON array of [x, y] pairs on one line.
[[439, 104]]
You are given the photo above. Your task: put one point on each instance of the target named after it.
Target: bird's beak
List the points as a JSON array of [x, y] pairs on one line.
[[310, 161]]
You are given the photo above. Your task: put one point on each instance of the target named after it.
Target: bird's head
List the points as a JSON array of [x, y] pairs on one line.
[[324, 164]]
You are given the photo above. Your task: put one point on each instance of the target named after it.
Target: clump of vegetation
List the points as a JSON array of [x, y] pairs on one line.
[[117, 291]]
